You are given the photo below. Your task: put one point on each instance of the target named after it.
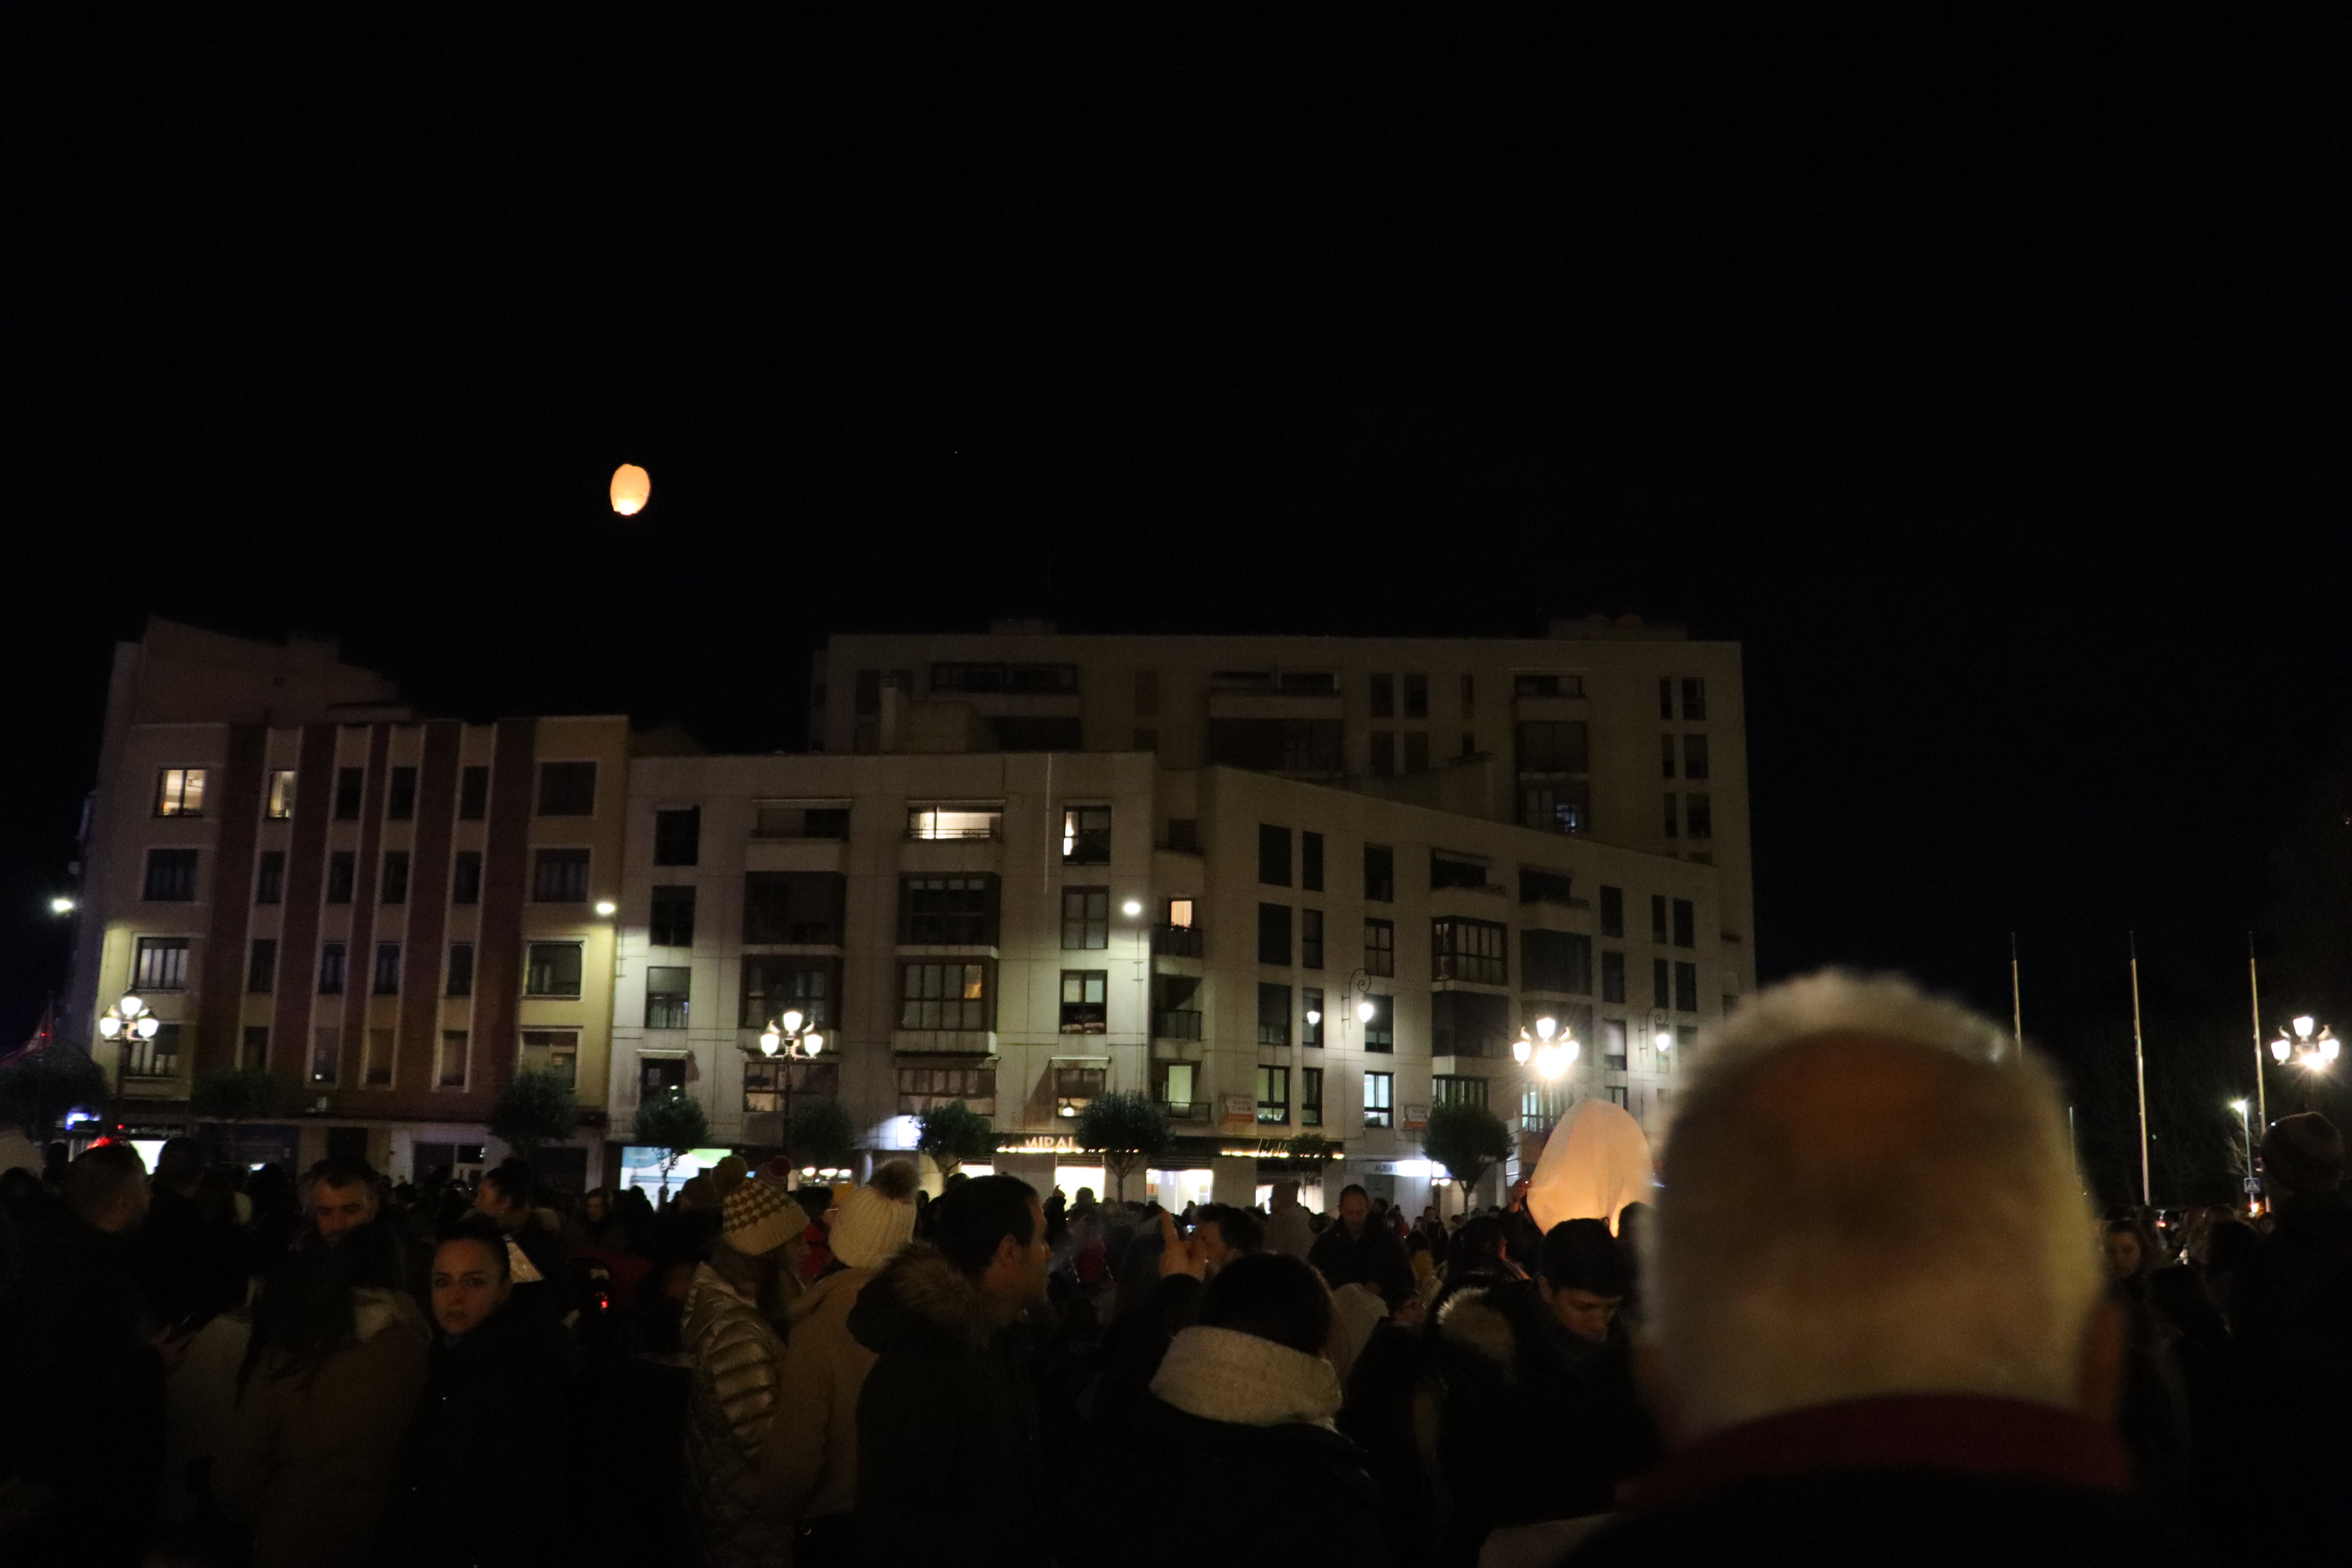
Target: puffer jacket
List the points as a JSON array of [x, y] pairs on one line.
[[812, 1458], [730, 1410]]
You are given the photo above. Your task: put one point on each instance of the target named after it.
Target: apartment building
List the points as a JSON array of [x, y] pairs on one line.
[[295, 872]]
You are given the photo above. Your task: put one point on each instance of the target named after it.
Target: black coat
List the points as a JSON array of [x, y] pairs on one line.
[[1375, 1258], [2292, 1318], [482, 1475], [948, 1468]]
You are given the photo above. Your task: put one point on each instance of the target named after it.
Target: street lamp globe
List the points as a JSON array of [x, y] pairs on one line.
[[1521, 1048], [2238, 1106], [770, 1040], [2281, 1048], [1546, 1027], [816, 1043], [791, 1021], [1365, 1011], [2303, 1025]]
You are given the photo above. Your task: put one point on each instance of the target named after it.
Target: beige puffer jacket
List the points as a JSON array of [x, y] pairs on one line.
[[738, 1367], [812, 1461]]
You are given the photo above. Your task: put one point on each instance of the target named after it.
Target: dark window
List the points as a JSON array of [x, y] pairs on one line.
[[559, 877], [1384, 697], [793, 906], [1311, 1002], [773, 984], [1274, 933], [1380, 947], [1085, 1009], [781, 819], [1086, 836], [1665, 697], [1383, 753], [661, 1078], [1469, 1024], [553, 971], [1416, 696], [262, 967], [1276, 745], [943, 996], [1448, 871], [1552, 746], [1147, 694], [461, 969], [1546, 887], [1036, 732], [161, 964], [1612, 911], [327, 1060], [1469, 698], [567, 789], [1612, 976], [1310, 939], [1379, 1029], [1667, 757], [1546, 684], [1452, 1089], [1273, 1094], [1272, 1015], [948, 911], [449, 1072], [1658, 917], [667, 992], [342, 873], [678, 837], [1086, 918], [673, 917], [1416, 750], [158, 1057], [1555, 960], [1380, 874], [1311, 861], [1694, 697], [1685, 924], [253, 1054], [395, 876], [171, 876], [333, 959], [387, 969], [555, 1051], [466, 877], [1274, 855], [1687, 987], [350, 784], [1695, 762], [1671, 815], [269, 877], [990, 678], [1698, 817], [474, 793], [1612, 1045], [1475, 950], [1661, 987], [400, 799], [1379, 1109], [1185, 834], [1556, 806]]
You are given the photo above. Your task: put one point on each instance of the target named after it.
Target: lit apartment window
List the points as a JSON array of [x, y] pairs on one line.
[[1085, 1007], [553, 1051], [553, 970], [1086, 836], [280, 802], [955, 822], [673, 917], [559, 877], [1180, 913], [171, 876], [678, 837], [668, 988], [943, 996], [449, 1065], [180, 791], [160, 964], [461, 969], [333, 958], [1086, 918], [567, 789], [1178, 1081], [400, 797], [1379, 1109], [1273, 1094]]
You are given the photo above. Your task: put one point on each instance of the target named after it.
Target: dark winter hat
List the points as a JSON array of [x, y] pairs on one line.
[[2305, 1152]]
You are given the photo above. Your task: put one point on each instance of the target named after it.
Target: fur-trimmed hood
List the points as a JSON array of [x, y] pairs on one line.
[[1470, 1321], [1222, 1374], [920, 1292]]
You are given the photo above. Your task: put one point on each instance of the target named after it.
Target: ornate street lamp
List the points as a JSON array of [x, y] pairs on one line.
[[129, 1020], [2312, 1046], [791, 1038]]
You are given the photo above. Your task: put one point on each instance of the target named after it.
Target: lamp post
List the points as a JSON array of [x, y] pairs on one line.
[[2311, 1045], [128, 1020], [1549, 1057], [791, 1038]]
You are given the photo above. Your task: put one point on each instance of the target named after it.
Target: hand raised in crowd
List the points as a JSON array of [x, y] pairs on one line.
[[1179, 1254]]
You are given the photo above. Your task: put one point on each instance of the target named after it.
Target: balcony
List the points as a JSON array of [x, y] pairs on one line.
[[944, 1042], [1176, 941], [1182, 1024], [1189, 1109]]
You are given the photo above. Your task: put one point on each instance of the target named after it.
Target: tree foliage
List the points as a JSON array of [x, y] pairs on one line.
[[952, 1133], [1313, 1146], [237, 1096], [1126, 1127], [40, 1085], [1465, 1138], [674, 1124], [534, 1108], [822, 1133]]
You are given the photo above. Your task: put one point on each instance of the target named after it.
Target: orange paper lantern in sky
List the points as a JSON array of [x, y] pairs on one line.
[[631, 488]]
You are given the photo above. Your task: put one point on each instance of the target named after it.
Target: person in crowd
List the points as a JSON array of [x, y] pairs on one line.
[[1288, 1227], [1223, 1233], [481, 1480], [180, 1259], [1242, 1408], [952, 1364], [309, 1455], [1357, 1251], [2152, 1410], [277, 1216], [1878, 1330], [537, 1259], [595, 1226], [810, 1461], [811, 1253], [1632, 1223], [83, 1366], [2292, 1316], [730, 1332]]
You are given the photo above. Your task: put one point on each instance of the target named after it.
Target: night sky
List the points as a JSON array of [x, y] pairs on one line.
[[1985, 378]]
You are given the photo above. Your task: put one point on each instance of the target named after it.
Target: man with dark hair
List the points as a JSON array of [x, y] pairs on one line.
[[342, 1197], [1222, 1232], [1359, 1251], [945, 1321]]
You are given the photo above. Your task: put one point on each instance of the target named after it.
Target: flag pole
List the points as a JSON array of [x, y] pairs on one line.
[[2255, 993], [2016, 998], [2139, 1074]]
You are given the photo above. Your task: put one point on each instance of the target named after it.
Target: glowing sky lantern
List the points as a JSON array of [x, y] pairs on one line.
[[1595, 1162], [631, 488]]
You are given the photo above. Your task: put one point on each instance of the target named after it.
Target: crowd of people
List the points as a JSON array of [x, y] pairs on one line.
[[1873, 1315]]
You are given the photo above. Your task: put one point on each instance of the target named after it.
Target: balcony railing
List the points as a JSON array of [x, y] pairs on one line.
[[1189, 1109], [1180, 1025], [1176, 941]]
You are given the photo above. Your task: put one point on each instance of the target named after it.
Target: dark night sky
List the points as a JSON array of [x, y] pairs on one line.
[[1986, 383]]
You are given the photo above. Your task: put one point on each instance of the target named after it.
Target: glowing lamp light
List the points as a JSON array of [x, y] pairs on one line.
[[2328, 1047], [1546, 1027], [631, 488], [2303, 1026], [62, 906], [816, 1044], [607, 908], [130, 1006], [2238, 1106], [1521, 1048], [791, 1021], [769, 1041], [109, 1025], [1069, 1109], [148, 1027], [2280, 1047], [1315, 1014], [1550, 1061], [1366, 1011], [1133, 906]]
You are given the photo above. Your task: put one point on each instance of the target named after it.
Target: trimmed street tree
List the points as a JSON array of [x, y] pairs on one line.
[[823, 1134], [1465, 1138], [952, 1133], [40, 1085], [1313, 1146], [1126, 1127], [673, 1124], [235, 1095], [534, 1108]]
